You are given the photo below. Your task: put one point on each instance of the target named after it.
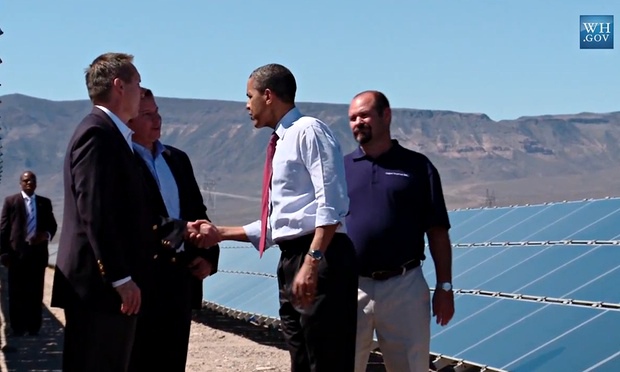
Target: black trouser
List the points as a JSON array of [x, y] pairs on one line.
[[163, 329], [26, 279], [321, 338], [97, 341]]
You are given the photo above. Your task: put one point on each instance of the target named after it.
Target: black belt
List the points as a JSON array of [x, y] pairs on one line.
[[302, 243], [387, 274]]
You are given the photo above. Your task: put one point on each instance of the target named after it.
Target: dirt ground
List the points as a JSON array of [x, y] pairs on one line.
[[217, 343]]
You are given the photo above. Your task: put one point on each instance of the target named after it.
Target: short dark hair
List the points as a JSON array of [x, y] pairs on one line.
[[276, 78], [102, 72], [147, 93], [27, 172], [381, 101]]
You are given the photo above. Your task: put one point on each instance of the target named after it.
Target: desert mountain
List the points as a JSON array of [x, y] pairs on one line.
[[526, 160]]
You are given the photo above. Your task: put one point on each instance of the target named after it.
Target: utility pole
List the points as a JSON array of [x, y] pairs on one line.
[[209, 185], [490, 199]]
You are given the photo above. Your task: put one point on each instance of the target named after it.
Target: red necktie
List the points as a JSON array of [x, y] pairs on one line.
[[267, 173]]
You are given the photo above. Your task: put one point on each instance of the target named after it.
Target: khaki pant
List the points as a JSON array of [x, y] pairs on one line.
[[398, 310]]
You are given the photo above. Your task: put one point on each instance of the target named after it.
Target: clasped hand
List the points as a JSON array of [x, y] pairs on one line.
[[203, 233]]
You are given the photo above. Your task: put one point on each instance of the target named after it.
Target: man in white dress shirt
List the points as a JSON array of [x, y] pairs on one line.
[[304, 206]]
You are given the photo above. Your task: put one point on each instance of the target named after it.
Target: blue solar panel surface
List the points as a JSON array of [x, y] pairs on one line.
[[510, 267]]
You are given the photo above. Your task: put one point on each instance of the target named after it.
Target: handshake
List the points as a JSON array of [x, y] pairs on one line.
[[203, 233]]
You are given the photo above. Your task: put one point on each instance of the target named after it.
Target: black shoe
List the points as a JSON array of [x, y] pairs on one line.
[[33, 333]]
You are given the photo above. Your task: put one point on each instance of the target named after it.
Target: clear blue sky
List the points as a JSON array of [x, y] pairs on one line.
[[504, 58]]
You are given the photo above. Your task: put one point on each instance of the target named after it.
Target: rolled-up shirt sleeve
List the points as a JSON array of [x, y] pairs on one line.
[[323, 158], [252, 230]]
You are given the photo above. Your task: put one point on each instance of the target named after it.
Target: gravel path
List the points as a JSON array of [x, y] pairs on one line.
[[217, 342]]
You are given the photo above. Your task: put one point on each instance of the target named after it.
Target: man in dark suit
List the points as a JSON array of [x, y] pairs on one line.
[[26, 226], [179, 273], [110, 233]]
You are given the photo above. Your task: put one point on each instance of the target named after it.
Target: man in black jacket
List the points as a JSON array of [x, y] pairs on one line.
[[26, 227], [179, 273], [110, 233]]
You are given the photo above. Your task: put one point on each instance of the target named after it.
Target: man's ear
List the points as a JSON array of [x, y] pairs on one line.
[[387, 114], [268, 95], [118, 84]]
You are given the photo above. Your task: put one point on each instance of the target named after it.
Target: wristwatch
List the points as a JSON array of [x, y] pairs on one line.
[[315, 254], [447, 286]]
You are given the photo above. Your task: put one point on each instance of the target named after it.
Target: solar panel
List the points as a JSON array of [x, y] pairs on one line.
[[244, 257], [534, 287], [528, 336], [478, 221], [460, 217], [503, 268], [514, 217], [573, 225], [537, 220]]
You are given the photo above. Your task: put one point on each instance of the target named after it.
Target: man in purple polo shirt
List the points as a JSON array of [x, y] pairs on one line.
[[395, 199]]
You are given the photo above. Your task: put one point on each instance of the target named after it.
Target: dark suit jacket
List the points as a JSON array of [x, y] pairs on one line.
[[191, 207], [13, 222], [109, 231]]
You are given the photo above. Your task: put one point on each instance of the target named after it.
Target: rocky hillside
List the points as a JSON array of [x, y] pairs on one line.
[[527, 160]]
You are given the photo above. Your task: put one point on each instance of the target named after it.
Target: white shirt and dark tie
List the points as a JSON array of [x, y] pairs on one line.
[[31, 215], [308, 190]]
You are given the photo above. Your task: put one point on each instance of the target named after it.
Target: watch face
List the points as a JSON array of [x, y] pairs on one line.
[[446, 286]]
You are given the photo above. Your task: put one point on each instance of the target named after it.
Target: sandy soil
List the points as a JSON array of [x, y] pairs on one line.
[[213, 349], [217, 342]]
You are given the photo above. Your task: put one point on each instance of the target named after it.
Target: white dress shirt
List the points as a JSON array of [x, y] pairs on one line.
[[160, 170], [33, 202], [308, 186], [33, 199]]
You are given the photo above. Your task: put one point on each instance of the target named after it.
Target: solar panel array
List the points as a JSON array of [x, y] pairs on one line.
[[535, 287]]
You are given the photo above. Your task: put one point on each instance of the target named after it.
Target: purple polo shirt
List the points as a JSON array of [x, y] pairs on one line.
[[393, 200]]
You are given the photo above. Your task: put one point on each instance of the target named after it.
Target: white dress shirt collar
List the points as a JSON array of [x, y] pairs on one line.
[[122, 127], [148, 154], [287, 121], [25, 196]]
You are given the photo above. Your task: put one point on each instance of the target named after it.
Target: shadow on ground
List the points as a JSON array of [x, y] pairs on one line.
[[260, 334], [31, 353]]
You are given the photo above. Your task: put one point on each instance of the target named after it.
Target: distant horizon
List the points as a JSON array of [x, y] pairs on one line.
[[507, 60], [335, 103]]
